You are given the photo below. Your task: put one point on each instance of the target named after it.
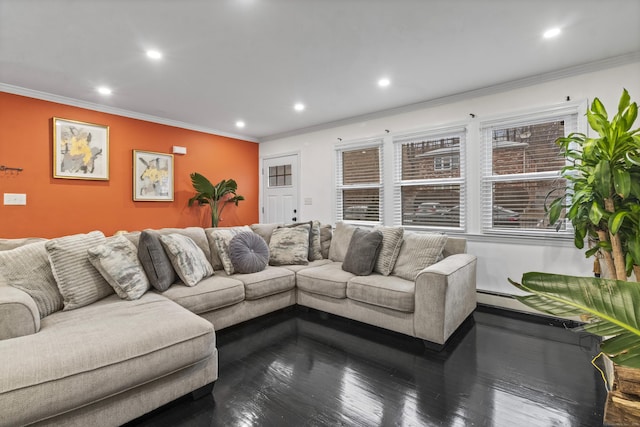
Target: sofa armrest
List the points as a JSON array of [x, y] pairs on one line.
[[19, 314], [445, 295]]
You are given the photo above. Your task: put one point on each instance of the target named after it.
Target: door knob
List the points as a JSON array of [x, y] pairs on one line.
[[294, 218]]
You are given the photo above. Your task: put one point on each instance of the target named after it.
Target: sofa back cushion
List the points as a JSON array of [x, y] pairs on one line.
[[265, 230], [454, 245], [28, 269], [79, 282], [340, 241], [418, 251]]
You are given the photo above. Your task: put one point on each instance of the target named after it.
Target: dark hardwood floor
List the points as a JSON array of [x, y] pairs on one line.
[[297, 368]]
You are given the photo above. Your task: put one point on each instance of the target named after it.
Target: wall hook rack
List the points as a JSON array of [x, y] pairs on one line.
[[8, 169]]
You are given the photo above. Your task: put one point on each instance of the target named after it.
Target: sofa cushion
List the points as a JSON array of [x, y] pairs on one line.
[[79, 282], [82, 356], [211, 293], [296, 268], [187, 258], [28, 269], [8, 244], [391, 244], [249, 253], [384, 291], [340, 241], [289, 245], [315, 242], [363, 252], [155, 261], [329, 280], [418, 251], [227, 233], [265, 230], [270, 281], [117, 261]]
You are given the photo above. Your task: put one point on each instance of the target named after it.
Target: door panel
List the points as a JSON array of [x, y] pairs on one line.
[[280, 189]]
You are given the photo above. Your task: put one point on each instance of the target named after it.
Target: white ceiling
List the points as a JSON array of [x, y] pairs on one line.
[[226, 60]]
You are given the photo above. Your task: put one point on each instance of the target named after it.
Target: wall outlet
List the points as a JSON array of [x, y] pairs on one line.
[[308, 201], [15, 199]]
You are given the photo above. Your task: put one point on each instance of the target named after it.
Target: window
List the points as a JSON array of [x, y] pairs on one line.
[[521, 167], [359, 182], [429, 181], [280, 176]]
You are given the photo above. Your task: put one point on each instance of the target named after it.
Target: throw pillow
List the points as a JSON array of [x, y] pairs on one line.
[[311, 235], [187, 258], [8, 244], [249, 253], [363, 252], [289, 246], [418, 251], [155, 262], [79, 282], [325, 239], [28, 269], [340, 241], [315, 245], [219, 239], [117, 261], [391, 243]]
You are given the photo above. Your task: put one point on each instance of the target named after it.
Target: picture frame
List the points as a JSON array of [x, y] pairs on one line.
[[152, 176], [80, 150]]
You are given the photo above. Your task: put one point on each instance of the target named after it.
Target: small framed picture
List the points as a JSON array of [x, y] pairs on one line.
[[80, 150], [152, 176]]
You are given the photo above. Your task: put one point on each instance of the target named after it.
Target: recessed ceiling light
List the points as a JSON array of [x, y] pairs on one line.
[[154, 54], [299, 106], [103, 90], [240, 124], [384, 82], [551, 33]]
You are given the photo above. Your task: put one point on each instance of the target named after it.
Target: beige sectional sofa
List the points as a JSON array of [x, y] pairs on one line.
[[113, 360]]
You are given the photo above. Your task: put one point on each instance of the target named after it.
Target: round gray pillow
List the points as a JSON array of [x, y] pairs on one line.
[[249, 253]]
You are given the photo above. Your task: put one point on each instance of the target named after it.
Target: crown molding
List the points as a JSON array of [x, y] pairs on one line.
[[576, 70], [45, 96]]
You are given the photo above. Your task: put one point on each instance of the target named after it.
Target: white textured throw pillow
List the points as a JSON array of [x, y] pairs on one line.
[[117, 261], [79, 282], [28, 269], [219, 239], [418, 251], [187, 258], [391, 244]]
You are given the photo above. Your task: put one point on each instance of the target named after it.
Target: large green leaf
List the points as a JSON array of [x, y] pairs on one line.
[[625, 99], [621, 182], [602, 178], [201, 184], [613, 302]]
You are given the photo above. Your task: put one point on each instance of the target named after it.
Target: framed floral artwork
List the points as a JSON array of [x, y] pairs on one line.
[[152, 176], [80, 150]]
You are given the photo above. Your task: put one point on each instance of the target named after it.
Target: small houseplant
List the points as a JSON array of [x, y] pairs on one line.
[[216, 196]]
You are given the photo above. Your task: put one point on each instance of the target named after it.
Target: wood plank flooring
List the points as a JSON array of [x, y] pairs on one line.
[[299, 368]]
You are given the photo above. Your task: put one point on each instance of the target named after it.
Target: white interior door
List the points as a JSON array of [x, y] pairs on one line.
[[280, 194]]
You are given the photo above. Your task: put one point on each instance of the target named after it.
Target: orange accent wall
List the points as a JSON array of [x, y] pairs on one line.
[[57, 207]]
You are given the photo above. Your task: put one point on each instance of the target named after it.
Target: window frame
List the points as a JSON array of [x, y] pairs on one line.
[[369, 143], [574, 121], [450, 132]]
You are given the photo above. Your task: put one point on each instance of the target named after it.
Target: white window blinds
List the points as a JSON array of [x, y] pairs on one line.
[[520, 167], [359, 190], [429, 171]]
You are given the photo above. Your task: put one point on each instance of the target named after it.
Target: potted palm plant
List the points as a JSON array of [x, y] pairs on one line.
[[602, 203], [216, 196]]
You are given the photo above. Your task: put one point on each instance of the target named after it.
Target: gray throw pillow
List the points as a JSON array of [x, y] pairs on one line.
[[249, 253], [363, 252], [117, 261], [187, 258], [219, 239], [155, 262], [289, 246], [418, 251], [28, 269], [325, 239], [79, 282], [391, 244]]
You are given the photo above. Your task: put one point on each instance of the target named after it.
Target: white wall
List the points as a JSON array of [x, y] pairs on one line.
[[497, 258]]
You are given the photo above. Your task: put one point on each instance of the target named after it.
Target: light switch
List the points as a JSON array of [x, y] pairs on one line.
[[308, 201], [15, 199]]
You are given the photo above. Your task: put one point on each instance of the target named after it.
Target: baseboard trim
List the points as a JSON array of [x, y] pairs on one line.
[[529, 316]]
